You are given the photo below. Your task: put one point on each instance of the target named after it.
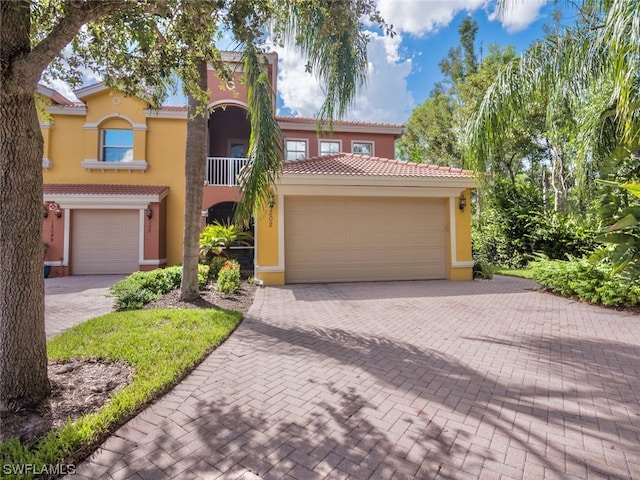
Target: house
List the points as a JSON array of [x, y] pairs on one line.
[[343, 210]]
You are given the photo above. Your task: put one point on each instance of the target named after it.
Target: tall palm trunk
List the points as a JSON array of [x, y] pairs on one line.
[[23, 355], [194, 169]]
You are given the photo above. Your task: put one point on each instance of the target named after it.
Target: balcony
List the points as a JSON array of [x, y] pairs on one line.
[[224, 171]]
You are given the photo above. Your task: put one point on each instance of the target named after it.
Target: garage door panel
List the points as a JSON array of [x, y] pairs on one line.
[[105, 241], [339, 239]]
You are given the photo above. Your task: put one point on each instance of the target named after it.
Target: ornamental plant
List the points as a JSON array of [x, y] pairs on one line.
[[229, 277]]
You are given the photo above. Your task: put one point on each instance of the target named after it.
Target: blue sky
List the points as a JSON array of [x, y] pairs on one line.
[[404, 69]]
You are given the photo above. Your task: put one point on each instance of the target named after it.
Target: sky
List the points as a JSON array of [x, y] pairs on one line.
[[403, 70]]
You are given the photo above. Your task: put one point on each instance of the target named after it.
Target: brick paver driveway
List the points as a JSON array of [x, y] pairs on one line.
[[400, 380]]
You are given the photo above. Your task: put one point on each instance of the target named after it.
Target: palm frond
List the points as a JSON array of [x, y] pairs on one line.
[[265, 143]]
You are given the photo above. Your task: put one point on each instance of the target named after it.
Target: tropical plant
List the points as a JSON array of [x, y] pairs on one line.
[[623, 237], [218, 238], [587, 80]]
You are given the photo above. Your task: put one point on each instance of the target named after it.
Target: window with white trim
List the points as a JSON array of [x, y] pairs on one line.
[[329, 147], [296, 149], [362, 148], [116, 145]]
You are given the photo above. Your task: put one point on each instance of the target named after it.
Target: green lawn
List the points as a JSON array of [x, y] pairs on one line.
[[515, 272], [162, 346]]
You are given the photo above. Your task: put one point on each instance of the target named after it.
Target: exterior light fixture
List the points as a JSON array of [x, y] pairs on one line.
[[463, 202], [272, 201], [149, 213], [45, 211], [58, 212]]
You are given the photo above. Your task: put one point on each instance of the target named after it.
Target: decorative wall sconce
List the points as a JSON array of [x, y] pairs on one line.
[[149, 213], [45, 211], [463, 202], [58, 211], [272, 201]]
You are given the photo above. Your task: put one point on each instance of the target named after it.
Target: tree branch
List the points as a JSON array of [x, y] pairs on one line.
[[77, 14]]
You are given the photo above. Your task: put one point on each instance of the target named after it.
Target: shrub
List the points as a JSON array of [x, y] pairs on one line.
[[215, 264], [482, 269], [588, 282], [513, 229], [140, 288], [229, 277]]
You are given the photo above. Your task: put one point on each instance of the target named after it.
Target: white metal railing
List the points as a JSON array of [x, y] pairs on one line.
[[224, 170]]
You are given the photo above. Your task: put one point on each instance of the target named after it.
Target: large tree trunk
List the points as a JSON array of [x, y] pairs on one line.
[[23, 357], [195, 168]]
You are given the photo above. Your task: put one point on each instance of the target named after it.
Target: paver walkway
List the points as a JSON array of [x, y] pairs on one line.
[[71, 300], [400, 380]]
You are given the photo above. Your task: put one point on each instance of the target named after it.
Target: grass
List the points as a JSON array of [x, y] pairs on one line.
[[515, 272], [162, 346]]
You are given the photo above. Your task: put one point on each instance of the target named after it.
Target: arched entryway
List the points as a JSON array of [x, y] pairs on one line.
[[223, 213]]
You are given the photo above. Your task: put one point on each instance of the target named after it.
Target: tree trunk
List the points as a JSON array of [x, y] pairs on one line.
[[195, 167], [23, 356], [558, 180]]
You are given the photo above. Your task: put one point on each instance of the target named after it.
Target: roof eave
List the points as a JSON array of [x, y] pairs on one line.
[[376, 180]]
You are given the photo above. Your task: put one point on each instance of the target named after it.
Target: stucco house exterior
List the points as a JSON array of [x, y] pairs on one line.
[[343, 209]]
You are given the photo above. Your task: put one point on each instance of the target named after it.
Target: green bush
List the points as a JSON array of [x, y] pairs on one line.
[[514, 227], [140, 288], [215, 264], [482, 269], [229, 277], [588, 282]]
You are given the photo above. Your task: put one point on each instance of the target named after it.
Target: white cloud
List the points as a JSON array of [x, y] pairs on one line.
[[88, 77], [63, 88], [518, 15], [385, 98], [420, 17]]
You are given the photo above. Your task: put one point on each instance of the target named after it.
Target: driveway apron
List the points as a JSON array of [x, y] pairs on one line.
[[425, 379], [71, 300]]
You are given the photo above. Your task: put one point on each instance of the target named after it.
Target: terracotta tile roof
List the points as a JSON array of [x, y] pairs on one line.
[[56, 96], [352, 164], [313, 121], [99, 189]]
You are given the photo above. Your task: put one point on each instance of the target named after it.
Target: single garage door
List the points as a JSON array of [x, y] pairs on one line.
[[346, 239], [104, 241]]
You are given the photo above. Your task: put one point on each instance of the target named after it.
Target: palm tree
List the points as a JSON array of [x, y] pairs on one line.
[[331, 35], [588, 80], [593, 69]]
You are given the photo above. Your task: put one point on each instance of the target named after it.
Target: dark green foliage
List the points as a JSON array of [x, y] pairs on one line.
[[588, 282], [482, 269], [217, 239], [140, 288], [515, 229], [229, 277], [215, 265], [620, 211]]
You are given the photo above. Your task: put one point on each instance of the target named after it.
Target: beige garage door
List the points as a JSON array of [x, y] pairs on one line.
[[345, 239], [104, 241]]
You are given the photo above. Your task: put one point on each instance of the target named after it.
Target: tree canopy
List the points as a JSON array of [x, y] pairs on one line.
[[137, 46]]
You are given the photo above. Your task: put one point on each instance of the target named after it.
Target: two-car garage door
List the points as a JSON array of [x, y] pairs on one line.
[[344, 239], [105, 242]]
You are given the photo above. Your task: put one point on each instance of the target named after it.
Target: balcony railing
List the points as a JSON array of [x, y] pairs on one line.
[[224, 170]]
